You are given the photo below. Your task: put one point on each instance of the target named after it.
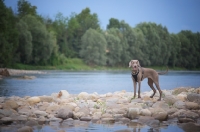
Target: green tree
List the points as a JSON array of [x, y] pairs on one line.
[[113, 23], [42, 41], [25, 42], [8, 35], [86, 20], [93, 48], [25, 8], [114, 47]]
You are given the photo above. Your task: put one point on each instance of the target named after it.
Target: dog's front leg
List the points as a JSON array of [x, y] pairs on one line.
[[135, 88], [139, 84]]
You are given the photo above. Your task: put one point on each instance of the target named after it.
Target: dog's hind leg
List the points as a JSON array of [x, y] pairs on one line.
[[150, 83], [158, 87]]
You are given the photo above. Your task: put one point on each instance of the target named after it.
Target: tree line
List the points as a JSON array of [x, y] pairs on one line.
[[29, 38]]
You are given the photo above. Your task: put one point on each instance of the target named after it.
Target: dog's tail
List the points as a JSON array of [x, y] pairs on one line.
[[162, 73]]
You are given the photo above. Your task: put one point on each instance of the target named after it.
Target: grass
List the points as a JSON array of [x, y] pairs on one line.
[[76, 64]]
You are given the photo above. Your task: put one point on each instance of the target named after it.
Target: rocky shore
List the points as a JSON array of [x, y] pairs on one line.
[[180, 106]]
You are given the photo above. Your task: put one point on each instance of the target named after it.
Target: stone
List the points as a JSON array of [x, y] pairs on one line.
[[145, 119], [189, 127], [27, 77], [33, 100], [145, 112], [187, 116], [161, 116], [170, 100], [85, 118], [161, 105], [78, 115], [133, 113], [182, 96], [6, 120], [64, 114], [7, 112], [194, 97], [52, 108], [10, 104], [46, 99], [25, 129], [63, 94], [83, 95], [179, 90], [108, 120], [5, 72], [179, 105], [192, 105], [31, 123], [40, 113]]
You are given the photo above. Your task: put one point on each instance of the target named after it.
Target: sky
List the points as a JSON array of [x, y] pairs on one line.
[[176, 15]]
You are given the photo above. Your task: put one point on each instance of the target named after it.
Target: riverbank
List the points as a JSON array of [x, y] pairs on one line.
[[180, 107]]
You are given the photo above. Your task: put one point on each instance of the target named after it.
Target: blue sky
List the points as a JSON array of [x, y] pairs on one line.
[[176, 15]]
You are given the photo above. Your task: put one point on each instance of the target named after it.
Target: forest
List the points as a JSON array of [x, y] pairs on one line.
[[29, 38]]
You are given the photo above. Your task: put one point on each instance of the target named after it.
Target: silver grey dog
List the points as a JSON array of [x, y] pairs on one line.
[[139, 73]]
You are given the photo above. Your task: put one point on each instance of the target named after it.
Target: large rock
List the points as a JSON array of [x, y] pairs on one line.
[[182, 96], [170, 100], [6, 120], [46, 99], [161, 104], [4, 72], [133, 113], [161, 116], [189, 127], [145, 112], [63, 94], [187, 116], [180, 90], [40, 113], [10, 104], [192, 105], [52, 108], [83, 95], [179, 105], [33, 100], [194, 98], [64, 114]]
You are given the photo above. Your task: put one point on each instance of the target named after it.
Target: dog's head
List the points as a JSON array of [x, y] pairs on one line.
[[134, 64]]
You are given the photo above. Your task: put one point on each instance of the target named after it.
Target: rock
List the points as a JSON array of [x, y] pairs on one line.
[[83, 95], [172, 111], [145, 119], [52, 108], [25, 129], [189, 115], [10, 104], [46, 99], [6, 120], [133, 113], [189, 127], [182, 96], [25, 110], [161, 105], [33, 100], [85, 118], [4, 72], [161, 116], [40, 113], [78, 115], [193, 97], [108, 120], [64, 114], [192, 105], [6, 112], [154, 123], [31, 123], [179, 105], [170, 100], [145, 112], [63, 94], [179, 90]]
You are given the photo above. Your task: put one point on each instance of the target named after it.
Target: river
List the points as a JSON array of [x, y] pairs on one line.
[[96, 81]]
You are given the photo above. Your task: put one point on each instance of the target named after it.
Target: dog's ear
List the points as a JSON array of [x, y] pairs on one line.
[[130, 63], [138, 63]]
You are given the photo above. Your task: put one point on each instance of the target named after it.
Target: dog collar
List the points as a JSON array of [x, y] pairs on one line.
[[135, 75]]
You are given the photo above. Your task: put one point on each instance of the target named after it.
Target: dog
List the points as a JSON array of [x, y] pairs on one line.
[[139, 73]]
